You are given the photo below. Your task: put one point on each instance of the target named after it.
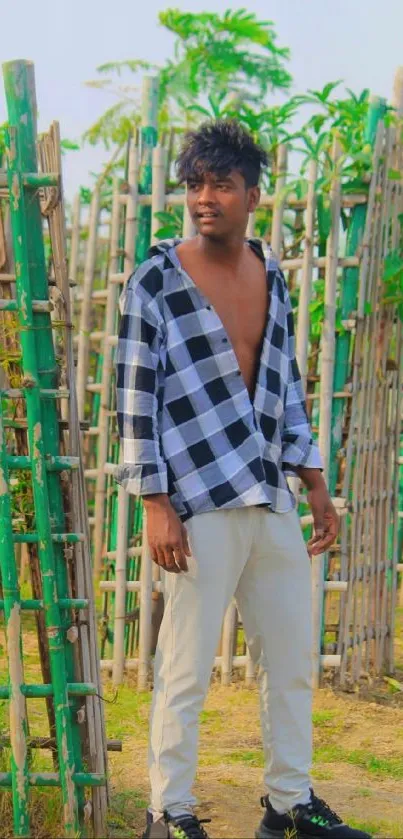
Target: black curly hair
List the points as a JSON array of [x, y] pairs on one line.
[[218, 148]]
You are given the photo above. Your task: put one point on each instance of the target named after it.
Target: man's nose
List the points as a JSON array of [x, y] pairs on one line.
[[207, 194]]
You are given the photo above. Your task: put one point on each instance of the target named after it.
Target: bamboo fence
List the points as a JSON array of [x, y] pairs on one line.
[[42, 492], [323, 275]]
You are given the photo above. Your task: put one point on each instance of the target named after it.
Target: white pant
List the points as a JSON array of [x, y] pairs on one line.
[[260, 558]]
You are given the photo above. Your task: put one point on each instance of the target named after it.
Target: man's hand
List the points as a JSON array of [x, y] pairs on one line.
[[325, 519], [167, 536]]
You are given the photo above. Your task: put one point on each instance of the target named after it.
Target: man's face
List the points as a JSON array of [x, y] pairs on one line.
[[220, 204]]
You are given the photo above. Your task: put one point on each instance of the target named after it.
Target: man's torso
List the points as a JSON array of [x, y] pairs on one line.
[[241, 302]]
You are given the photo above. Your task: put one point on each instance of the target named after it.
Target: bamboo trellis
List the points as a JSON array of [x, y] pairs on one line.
[[40, 439], [331, 398]]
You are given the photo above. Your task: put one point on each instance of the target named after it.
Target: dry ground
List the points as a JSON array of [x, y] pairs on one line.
[[358, 758]]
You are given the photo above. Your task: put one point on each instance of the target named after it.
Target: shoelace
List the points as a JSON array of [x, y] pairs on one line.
[[191, 826], [318, 807]]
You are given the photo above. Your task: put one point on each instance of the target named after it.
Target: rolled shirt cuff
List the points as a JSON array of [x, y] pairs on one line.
[[143, 479]]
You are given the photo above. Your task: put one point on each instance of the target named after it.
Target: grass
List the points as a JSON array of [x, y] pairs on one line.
[[358, 756], [380, 828], [382, 767]]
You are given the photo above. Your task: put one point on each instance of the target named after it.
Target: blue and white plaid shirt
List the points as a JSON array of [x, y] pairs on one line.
[[186, 420]]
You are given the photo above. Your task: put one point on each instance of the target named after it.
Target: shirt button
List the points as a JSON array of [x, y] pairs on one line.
[[208, 307], [225, 340], [238, 372]]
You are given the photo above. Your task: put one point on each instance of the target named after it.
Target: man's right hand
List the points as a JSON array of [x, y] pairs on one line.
[[167, 536]]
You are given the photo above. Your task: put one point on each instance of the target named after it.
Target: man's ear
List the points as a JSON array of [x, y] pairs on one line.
[[253, 198]]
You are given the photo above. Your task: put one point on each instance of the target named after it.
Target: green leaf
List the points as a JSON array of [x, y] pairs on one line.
[[393, 265], [394, 175], [69, 145], [167, 232]]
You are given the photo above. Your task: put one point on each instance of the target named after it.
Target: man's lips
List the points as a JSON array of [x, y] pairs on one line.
[[207, 215]]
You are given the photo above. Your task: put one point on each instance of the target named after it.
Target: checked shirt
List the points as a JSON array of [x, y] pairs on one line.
[[187, 423]]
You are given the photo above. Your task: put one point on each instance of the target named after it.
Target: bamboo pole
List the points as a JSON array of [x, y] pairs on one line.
[[12, 609], [302, 333], [326, 393], [159, 162], [276, 238], [349, 290], [80, 571], [148, 139], [40, 488], [102, 437], [85, 318], [145, 611], [75, 241], [227, 644], [189, 229]]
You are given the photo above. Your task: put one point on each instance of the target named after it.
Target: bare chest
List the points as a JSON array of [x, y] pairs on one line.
[[242, 307]]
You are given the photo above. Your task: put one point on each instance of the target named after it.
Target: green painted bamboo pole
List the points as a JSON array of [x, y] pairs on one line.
[[52, 779], [348, 304], [64, 603], [12, 609], [41, 691], [148, 139], [40, 489], [19, 84]]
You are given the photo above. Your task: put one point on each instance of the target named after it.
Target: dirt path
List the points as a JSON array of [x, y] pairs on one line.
[[358, 763]]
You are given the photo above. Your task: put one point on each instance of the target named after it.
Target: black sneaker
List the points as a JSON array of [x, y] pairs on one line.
[[305, 821], [181, 827]]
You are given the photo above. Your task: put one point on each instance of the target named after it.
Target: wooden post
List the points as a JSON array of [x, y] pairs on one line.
[[276, 239], [148, 139], [74, 241], [110, 328], [302, 334], [145, 611], [227, 644], [158, 189], [189, 229], [85, 319], [326, 398]]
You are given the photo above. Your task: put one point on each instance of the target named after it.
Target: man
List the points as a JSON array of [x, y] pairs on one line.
[[212, 415]]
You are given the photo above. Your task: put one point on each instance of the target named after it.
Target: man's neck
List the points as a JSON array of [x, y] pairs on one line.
[[230, 251]]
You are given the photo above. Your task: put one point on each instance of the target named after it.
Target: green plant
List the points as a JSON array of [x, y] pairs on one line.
[[234, 57], [393, 278]]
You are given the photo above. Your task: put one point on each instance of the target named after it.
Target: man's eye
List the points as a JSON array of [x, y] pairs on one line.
[[222, 186], [193, 185]]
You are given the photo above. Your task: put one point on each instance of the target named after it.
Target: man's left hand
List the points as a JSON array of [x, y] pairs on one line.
[[325, 520]]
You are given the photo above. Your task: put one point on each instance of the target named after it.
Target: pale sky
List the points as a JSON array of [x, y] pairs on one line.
[[359, 41]]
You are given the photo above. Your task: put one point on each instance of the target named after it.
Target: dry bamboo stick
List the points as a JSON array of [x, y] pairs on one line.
[[238, 662], [189, 229], [74, 243], [85, 319], [326, 393], [302, 334], [227, 643], [81, 579], [110, 320], [276, 238], [145, 611], [250, 230], [177, 199], [120, 589], [103, 442], [158, 189]]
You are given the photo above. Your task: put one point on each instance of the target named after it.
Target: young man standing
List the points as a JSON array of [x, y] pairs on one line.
[[211, 415]]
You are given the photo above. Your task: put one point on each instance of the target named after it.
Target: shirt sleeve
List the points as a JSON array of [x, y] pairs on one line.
[[139, 372], [298, 446]]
